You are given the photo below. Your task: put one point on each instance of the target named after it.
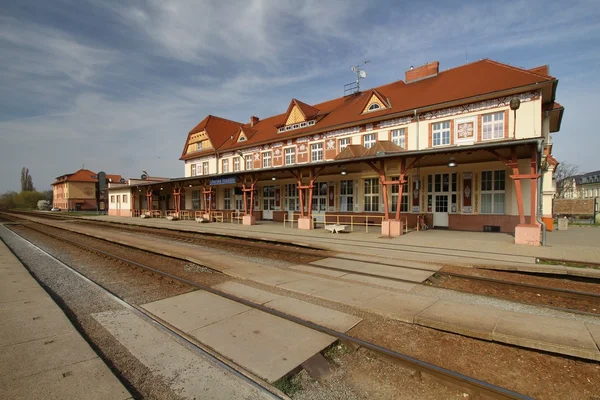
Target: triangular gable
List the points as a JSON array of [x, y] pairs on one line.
[[351, 151], [299, 112], [245, 133], [383, 146], [375, 98]]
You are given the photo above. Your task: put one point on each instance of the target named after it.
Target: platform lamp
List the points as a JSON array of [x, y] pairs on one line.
[[515, 103]]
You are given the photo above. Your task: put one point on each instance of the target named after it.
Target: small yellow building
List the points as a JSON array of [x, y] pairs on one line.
[[78, 191]]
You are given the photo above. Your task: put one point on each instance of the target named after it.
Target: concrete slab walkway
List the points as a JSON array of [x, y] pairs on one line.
[[264, 344], [450, 247], [456, 317], [42, 356]]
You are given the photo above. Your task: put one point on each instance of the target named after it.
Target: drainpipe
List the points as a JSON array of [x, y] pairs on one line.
[[540, 194]]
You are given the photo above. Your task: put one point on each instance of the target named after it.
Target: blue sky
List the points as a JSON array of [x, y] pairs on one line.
[[116, 85]]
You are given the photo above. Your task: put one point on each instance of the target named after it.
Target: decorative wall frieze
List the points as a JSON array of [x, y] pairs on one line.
[[481, 105]]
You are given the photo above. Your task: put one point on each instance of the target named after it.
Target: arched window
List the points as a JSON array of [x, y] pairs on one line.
[[374, 107]]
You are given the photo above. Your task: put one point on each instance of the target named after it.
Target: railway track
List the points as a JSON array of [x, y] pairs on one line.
[[580, 302], [468, 384]]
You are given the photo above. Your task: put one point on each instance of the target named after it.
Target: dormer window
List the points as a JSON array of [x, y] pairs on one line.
[[303, 124], [242, 139], [374, 107], [198, 146]]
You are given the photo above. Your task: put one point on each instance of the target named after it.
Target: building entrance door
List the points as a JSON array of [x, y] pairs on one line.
[[292, 205], [440, 212], [319, 202], [268, 202]]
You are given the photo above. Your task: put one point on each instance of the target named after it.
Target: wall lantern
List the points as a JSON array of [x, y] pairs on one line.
[[273, 179], [515, 103], [343, 172], [452, 162]]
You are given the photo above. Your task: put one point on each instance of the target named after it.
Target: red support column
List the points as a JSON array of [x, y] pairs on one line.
[[533, 186], [252, 199], [300, 193], [149, 199], [514, 164], [245, 192], [401, 182]]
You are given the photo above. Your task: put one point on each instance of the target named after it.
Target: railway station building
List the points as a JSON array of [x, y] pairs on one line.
[[467, 148]]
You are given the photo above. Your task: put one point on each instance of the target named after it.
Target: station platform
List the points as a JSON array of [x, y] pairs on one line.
[[42, 356], [567, 335], [477, 249]]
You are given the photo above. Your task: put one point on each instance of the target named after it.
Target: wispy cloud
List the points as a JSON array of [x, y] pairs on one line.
[[119, 85]]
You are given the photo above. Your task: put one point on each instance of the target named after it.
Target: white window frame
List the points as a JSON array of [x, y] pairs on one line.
[[369, 140], [493, 129], [395, 190], [236, 164], [398, 137], [344, 142], [205, 168], [248, 160], [290, 155], [371, 194], [316, 152], [374, 107], [266, 159], [199, 146], [124, 200], [345, 195], [193, 170], [496, 189], [225, 165], [440, 133], [227, 198]]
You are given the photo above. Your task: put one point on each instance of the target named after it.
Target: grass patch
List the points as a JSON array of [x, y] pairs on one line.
[[568, 264], [288, 385], [336, 350]]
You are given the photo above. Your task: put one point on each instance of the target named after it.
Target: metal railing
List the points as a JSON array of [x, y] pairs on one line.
[[366, 220]]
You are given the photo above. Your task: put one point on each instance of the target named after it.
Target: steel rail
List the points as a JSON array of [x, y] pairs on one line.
[[167, 328], [473, 385]]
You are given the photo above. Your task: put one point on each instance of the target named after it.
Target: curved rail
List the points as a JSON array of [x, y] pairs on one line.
[[467, 383]]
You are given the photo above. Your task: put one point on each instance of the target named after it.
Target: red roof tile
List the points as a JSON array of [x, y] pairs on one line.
[[463, 82]]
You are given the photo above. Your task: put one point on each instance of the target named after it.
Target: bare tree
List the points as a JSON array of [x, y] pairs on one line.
[[26, 181], [565, 175]]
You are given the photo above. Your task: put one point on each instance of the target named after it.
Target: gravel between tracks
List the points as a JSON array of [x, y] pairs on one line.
[[540, 375], [79, 301]]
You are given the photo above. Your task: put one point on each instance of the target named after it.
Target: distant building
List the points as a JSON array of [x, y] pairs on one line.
[[585, 186], [79, 191]]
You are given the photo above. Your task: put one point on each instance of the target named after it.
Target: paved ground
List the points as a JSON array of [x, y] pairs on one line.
[[525, 329], [264, 344], [42, 356], [473, 248]]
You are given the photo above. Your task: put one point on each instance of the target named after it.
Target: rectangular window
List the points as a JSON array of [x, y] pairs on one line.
[[493, 194], [369, 140], [372, 195], [112, 198], [227, 198], [492, 126], [195, 199], [205, 168], [399, 137], [316, 152], [198, 146], [344, 142], [225, 166], [124, 198], [290, 156], [248, 162], [440, 134], [394, 205], [347, 196], [193, 169], [266, 159], [236, 164]]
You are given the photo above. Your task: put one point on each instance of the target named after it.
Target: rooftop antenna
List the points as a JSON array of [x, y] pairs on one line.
[[354, 87]]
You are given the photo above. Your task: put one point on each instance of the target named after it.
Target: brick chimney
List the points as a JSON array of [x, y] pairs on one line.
[[254, 120], [422, 72]]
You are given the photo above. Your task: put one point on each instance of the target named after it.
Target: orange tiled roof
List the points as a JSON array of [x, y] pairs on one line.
[[85, 175], [466, 81]]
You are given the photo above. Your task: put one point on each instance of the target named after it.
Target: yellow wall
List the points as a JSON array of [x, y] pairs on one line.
[[295, 116]]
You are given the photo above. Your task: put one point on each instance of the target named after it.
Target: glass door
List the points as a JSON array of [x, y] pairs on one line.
[[268, 202]]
